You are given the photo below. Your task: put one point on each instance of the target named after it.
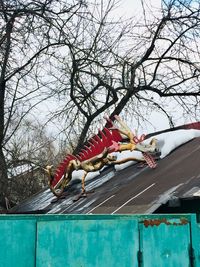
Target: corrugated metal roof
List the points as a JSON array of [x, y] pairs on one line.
[[131, 190]]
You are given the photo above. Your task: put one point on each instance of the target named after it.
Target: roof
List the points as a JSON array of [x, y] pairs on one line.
[[132, 190]]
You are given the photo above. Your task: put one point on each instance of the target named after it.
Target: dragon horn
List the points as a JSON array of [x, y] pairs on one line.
[[125, 130], [122, 123]]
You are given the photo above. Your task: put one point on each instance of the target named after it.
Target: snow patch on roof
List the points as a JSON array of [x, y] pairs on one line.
[[167, 142]]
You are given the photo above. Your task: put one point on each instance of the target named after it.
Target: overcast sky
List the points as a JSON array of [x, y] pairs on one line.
[[134, 7]]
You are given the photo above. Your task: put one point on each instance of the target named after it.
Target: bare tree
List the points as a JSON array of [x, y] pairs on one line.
[[27, 153], [31, 32], [31, 143], [118, 66]]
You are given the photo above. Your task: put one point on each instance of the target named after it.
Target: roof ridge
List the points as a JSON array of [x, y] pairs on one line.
[[192, 125]]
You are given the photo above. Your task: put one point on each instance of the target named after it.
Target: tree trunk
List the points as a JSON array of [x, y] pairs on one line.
[[3, 165], [3, 179]]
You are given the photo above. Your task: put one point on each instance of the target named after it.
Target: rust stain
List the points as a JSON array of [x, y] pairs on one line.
[[157, 222]]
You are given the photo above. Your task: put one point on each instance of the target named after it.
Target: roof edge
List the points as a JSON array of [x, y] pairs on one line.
[[193, 125]]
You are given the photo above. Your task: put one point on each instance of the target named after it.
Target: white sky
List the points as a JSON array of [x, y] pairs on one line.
[[132, 8]]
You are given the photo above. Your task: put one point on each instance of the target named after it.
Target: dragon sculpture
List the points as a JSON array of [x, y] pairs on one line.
[[98, 152]]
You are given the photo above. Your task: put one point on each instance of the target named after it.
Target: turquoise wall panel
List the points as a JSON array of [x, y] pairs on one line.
[[165, 243], [88, 243], [17, 243], [195, 241], [99, 240]]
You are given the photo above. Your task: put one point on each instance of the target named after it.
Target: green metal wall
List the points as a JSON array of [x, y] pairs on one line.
[[99, 240]]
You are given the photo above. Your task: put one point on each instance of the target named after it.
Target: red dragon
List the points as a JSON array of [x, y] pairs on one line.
[[97, 153]]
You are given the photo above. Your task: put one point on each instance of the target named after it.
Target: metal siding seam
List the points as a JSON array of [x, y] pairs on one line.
[[36, 241], [195, 241]]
